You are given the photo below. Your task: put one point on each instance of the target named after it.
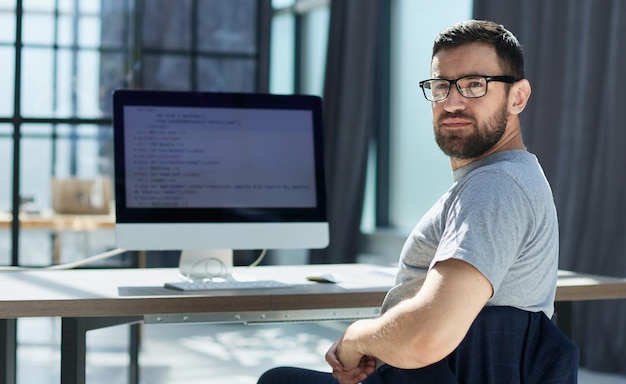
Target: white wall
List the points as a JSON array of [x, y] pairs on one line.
[[420, 173]]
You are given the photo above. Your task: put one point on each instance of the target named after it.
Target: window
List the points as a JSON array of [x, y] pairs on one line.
[[60, 68], [299, 40]]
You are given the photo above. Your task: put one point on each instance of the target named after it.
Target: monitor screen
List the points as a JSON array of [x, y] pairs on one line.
[[200, 170]]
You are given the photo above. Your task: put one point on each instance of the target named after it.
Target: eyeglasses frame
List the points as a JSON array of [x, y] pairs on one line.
[[488, 79]]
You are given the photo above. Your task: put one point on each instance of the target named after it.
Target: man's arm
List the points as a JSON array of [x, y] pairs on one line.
[[425, 328]]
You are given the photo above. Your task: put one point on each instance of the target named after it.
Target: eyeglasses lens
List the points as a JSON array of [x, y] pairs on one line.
[[470, 87]]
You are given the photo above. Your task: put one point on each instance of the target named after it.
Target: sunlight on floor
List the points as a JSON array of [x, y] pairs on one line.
[[192, 353]]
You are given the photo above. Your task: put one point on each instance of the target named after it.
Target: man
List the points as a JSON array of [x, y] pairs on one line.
[[477, 275]]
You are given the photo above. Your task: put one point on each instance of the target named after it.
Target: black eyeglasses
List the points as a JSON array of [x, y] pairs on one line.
[[472, 86]]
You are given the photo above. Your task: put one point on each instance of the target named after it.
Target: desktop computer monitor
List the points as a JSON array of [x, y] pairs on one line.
[[211, 172]]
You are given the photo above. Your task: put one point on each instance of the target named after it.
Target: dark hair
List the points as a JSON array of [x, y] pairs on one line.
[[508, 48]]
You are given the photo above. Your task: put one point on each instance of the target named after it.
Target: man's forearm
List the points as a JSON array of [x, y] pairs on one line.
[[387, 338], [423, 329]]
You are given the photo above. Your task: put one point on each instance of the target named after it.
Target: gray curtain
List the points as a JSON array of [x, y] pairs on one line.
[[576, 63], [349, 117]]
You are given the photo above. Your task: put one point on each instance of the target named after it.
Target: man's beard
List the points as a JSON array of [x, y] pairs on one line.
[[464, 145]]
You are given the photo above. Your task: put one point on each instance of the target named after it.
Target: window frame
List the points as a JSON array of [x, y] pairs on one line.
[[134, 51]]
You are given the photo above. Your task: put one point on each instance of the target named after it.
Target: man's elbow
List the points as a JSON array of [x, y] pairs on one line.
[[425, 351]]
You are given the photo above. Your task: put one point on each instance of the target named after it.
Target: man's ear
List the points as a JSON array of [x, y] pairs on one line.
[[519, 93]]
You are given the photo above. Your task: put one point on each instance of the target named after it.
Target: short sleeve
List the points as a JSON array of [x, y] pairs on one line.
[[486, 225]]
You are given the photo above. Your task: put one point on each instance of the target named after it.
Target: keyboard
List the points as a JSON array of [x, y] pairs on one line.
[[211, 285]]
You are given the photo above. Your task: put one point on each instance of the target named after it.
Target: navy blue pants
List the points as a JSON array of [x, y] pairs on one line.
[[436, 373], [503, 345]]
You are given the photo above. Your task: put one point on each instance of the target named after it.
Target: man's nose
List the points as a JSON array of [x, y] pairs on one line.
[[455, 101]]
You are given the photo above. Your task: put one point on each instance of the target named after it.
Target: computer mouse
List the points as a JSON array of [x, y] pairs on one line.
[[323, 278]]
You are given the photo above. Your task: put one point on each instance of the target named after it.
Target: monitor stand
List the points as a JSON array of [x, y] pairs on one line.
[[199, 264]]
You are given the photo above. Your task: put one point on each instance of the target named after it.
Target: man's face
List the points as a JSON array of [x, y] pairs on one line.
[[468, 128]]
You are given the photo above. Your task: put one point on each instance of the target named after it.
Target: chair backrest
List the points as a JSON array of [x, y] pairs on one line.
[[508, 345]]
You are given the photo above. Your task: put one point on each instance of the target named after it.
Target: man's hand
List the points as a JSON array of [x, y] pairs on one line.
[[355, 367]]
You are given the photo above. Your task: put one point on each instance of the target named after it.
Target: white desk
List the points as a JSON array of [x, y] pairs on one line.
[[91, 299]]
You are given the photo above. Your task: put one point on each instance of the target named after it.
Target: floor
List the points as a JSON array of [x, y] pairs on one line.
[[192, 353]]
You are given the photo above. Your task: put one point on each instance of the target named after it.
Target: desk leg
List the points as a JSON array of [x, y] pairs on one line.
[[73, 350], [135, 340], [8, 352], [74, 345], [564, 317]]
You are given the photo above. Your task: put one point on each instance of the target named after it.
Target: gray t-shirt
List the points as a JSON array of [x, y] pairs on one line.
[[499, 216]]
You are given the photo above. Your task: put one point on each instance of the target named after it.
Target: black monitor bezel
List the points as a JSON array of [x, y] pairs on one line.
[[127, 97]]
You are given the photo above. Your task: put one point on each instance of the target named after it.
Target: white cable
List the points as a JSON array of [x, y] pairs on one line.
[[115, 252], [75, 264], [258, 259], [89, 260], [223, 271]]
